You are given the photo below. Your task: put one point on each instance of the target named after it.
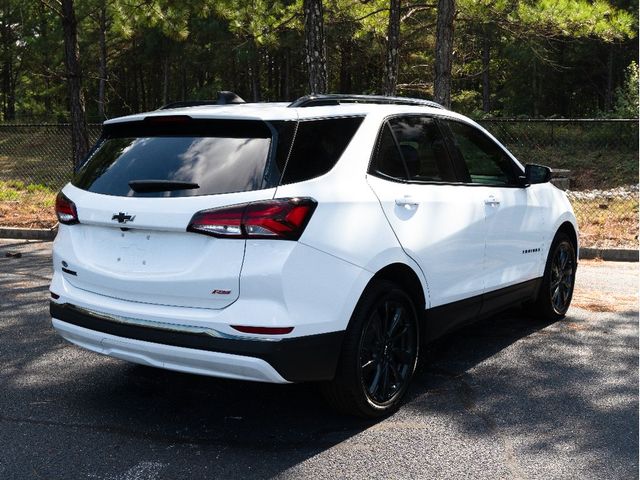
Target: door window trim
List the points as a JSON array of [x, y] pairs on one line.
[[460, 164]]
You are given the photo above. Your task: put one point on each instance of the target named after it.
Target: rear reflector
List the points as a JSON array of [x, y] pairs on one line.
[[282, 219], [66, 210], [55, 296], [263, 330]]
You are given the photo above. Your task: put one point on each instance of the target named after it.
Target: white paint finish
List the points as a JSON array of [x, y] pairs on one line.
[[283, 284], [459, 241], [157, 260], [291, 284], [444, 232], [186, 360], [514, 225]]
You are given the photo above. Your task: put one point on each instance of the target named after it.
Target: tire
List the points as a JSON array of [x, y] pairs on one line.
[[559, 278], [379, 353]]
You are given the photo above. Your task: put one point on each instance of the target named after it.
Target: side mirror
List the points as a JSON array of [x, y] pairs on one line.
[[536, 173]]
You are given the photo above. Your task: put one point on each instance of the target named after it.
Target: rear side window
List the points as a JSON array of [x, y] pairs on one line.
[[318, 146], [185, 158], [388, 161]]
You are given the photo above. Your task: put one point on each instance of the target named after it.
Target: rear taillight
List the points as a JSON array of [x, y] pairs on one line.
[[66, 210], [282, 219]]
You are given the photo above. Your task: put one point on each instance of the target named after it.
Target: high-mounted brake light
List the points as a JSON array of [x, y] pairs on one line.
[[167, 119], [282, 219], [66, 210]]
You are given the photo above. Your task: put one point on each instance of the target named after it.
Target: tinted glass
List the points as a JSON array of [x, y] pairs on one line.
[[387, 160], [318, 146], [218, 156], [423, 149], [486, 162]]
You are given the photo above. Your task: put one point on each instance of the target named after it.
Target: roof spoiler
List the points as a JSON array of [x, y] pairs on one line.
[[225, 97]]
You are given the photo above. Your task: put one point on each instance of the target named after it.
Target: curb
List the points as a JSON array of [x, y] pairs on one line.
[[609, 254], [29, 233]]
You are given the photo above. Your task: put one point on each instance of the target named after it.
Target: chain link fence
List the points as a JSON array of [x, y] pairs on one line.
[[597, 160]]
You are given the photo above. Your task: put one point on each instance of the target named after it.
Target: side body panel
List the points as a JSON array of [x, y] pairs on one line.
[[443, 231], [515, 237]]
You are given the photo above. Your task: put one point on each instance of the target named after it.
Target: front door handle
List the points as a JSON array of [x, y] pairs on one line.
[[407, 202], [491, 200]]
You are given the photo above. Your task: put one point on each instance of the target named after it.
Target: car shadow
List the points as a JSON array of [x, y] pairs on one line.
[[54, 387]]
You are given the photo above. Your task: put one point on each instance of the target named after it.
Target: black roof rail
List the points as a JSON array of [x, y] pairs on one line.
[[225, 97], [339, 98]]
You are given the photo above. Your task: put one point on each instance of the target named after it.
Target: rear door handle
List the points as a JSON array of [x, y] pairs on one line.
[[407, 202], [491, 200]]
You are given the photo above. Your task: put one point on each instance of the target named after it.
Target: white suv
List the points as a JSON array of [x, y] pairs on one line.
[[323, 240]]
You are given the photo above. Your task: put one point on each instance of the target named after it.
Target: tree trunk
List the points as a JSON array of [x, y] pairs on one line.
[[486, 62], [254, 69], [287, 75], [8, 89], [8, 84], [534, 89], [46, 58], [165, 80], [444, 52], [315, 47], [345, 67], [102, 73], [393, 46], [79, 136], [608, 96]]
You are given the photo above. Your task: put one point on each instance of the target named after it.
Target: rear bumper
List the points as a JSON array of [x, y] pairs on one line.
[[298, 359]]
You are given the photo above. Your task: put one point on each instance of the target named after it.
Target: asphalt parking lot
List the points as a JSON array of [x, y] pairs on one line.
[[505, 398]]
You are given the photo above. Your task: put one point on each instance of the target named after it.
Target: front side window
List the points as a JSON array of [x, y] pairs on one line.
[[486, 162], [412, 148]]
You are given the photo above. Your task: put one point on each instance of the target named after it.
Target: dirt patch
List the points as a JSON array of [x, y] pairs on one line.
[[594, 307], [26, 206], [595, 301], [19, 214]]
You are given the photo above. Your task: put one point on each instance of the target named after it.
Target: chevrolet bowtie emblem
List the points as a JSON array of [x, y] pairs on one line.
[[123, 217]]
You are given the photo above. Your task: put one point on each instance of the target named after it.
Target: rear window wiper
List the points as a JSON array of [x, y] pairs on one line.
[[145, 186]]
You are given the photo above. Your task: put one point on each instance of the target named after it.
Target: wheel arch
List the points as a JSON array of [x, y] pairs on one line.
[[568, 229], [405, 277]]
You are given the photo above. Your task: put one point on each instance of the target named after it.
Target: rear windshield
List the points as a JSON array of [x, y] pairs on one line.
[[206, 157], [180, 157]]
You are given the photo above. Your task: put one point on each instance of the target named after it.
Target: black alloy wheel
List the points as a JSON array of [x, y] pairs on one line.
[[388, 351], [379, 353], [562, 276], [556, 291]]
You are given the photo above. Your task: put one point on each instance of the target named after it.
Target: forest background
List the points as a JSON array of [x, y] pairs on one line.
[[526, 69], [562, 58]]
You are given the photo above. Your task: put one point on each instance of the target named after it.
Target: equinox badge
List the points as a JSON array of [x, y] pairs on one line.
[[123, 217]]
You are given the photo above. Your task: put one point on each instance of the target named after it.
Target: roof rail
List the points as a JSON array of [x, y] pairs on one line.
[[338, 98], [225, 97]]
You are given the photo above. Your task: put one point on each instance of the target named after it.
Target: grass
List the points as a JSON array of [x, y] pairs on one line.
[[607, 223], [26, 206], [604, 223], [599, 154], [35, 162]]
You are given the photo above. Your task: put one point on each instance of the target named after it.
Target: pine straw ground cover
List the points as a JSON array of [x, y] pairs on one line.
[[26, 206]]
